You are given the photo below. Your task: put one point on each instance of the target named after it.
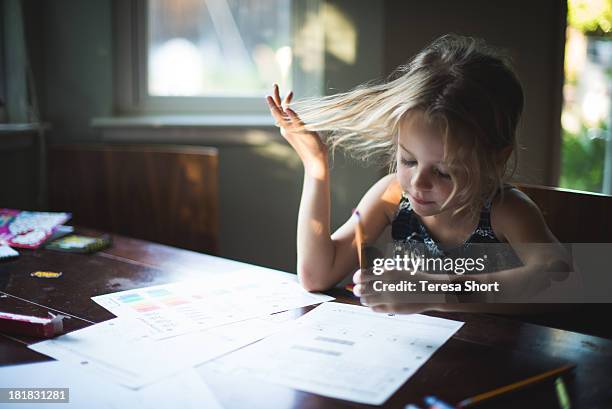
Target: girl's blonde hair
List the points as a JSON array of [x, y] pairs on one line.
[[462, 88]]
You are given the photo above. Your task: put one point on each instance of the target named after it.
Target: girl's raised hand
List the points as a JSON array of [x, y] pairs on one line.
[[308, 145]]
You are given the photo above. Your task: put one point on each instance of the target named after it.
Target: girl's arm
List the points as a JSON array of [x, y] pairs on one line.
[[323, 260], [516, 220], [376, 209]]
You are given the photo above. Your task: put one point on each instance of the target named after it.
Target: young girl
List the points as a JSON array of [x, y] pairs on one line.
[[446, 125]]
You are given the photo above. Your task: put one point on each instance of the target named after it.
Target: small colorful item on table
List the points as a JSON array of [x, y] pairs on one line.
[[46, 274], [32, 326], [79, 244], [25, 229]]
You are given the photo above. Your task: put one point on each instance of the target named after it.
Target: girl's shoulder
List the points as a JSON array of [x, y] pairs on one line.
[[512, 209], [387, 192], [392, 196]]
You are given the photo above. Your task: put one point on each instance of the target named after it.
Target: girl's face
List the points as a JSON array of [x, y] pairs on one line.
[[421, 171]]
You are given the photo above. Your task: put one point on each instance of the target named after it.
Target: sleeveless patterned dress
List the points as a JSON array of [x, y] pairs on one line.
[[410, 235]]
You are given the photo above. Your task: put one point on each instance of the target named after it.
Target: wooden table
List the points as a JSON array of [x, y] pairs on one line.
[[487, 348]]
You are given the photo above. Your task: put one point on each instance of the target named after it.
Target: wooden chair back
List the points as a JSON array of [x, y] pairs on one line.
[[574, 216]]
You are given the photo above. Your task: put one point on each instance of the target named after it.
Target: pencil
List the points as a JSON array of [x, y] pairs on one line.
[[514, 386], [359, 238]]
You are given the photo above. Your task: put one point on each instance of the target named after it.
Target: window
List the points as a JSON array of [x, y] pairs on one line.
[[587, 94], [215, 57]]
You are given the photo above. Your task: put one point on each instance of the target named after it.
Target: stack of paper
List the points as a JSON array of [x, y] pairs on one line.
[[186, 390], [163, 329], [343, 351], [149, 352]]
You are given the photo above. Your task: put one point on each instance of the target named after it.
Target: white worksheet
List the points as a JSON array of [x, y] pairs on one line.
[[185, 390], [179, 308], [343, 351], [123, 349]]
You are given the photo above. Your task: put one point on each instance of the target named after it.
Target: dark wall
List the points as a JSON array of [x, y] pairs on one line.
[[533, 32]]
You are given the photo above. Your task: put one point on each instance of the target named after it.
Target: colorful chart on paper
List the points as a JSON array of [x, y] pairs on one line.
[[174, 309]]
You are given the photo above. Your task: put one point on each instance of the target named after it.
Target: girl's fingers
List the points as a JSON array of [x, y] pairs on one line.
[[366, 290], [364, 301], [362, 277], [287, 100], [357, 277], [285, 118], [278, 115], [375, 304], [274, 105], [381, 308], [271, 104], [292, 114], [295, 119], [277, 98]]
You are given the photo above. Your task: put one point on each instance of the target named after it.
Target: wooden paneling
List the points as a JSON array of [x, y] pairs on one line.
[[164, 194]]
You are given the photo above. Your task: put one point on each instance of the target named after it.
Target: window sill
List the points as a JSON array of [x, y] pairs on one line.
[[185, 121], [213, 130], [26, 127]]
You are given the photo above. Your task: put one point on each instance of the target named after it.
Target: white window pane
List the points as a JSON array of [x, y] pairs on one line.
[[234, 48]]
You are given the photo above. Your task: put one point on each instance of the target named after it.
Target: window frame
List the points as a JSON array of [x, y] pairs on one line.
[[3, 101], [131, 70]]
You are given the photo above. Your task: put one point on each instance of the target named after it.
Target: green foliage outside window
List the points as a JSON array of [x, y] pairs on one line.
[[581, 161], [583, 151]]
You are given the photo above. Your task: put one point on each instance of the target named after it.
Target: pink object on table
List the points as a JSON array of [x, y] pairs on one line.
[[33, 326], [20, 228]]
